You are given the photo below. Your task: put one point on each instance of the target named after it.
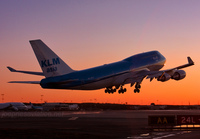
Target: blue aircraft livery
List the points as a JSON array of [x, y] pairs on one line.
[[112, 77]]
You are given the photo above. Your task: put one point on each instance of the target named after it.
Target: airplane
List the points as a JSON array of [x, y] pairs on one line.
[[54, 106], [40, 108], [73, 107], [16, 106], [112, 77]]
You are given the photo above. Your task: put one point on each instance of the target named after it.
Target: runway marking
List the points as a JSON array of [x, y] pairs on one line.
[[170, 135], [73, 118], [160, 135], [145, 135]]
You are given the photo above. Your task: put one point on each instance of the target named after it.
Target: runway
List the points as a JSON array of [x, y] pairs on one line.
[[126, 124]]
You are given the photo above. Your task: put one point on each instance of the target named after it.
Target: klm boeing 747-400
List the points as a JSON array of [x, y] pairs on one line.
[[112, 77]]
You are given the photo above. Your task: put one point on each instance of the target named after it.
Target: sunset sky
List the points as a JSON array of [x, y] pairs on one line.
[[89, 33]]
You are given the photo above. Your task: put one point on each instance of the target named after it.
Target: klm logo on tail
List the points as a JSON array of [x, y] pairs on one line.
[[48, 63]]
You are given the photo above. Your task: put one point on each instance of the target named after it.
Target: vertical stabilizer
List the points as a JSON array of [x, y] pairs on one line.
[[50, 63]]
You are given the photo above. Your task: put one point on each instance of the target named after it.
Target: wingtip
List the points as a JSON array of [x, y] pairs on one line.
[[11, 69], [190, 61], [11, 82]]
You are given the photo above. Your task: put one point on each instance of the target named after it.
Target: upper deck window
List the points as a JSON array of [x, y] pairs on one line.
[[144, 56]]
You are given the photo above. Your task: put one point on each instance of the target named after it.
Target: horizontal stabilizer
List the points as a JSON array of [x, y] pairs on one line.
[[11, 69], [26, 82], [26, 72]]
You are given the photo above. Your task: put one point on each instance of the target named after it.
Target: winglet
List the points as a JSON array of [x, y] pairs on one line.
[[11, 69], [190, 61]]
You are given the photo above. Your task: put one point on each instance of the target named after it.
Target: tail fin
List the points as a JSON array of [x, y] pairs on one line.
[[50, 63]]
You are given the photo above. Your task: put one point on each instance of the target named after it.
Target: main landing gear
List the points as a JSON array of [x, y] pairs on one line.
[[111, 90], [122, 90], [137, 88]]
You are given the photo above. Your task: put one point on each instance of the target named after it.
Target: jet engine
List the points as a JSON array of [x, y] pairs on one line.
[[164, 78], [179, 74]]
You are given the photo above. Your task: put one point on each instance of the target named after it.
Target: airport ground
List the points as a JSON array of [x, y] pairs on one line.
[[111, 124]]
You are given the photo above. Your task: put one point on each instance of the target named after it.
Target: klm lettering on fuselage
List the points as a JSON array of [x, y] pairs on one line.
[[50, 64]]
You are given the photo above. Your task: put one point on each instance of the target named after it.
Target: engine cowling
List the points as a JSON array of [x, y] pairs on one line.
[[164, 78], [179, 74]]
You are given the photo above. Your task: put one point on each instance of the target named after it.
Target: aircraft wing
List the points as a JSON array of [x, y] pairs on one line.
[[14, 108], [26, 72], [142, 73], [137, 76], [190, 63], [157, 74]]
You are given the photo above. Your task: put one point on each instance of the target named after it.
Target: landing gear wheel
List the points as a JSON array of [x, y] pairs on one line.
[[110, 90], [136, 90], [121, 90]]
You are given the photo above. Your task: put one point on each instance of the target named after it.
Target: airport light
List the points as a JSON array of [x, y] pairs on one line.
[[2, 97], [42, 98]]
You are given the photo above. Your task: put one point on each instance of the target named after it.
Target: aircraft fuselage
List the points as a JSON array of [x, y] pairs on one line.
[[107, 75]]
